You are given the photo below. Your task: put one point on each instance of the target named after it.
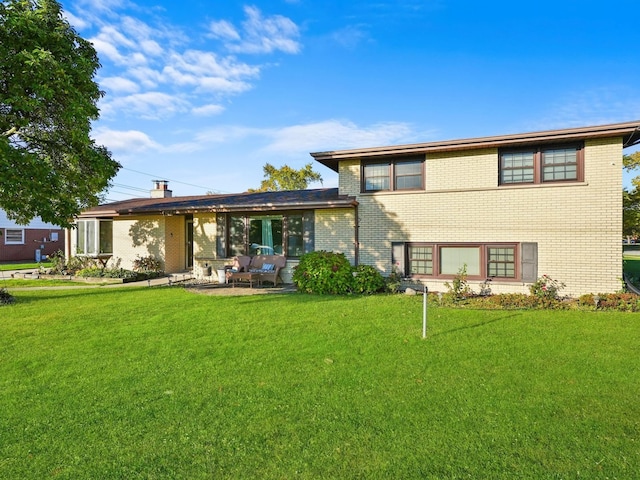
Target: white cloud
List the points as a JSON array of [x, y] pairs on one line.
[[595, 106], [148, 77], [128, 141], [207, 110], [350, 37], [108, 50], [119, 85], [336, 134], [76, 22], [227, 133], [223, 30], [151, 47], [206, 72], [259, 34], [312, 137], [148, 105], [204, 64], [150, 71], [102, 5]]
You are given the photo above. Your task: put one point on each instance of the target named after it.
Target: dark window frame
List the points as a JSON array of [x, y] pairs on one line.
[[483, 258], [392, 175], [538, 152], [226, 245]]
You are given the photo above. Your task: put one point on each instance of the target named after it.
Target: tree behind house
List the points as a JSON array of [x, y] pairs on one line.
[[287, 178], [631, 199]]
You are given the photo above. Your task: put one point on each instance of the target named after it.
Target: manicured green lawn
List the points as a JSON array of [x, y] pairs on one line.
[[161, 383]]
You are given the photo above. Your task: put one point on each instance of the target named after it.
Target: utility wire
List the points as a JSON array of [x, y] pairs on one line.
[[175, 181]]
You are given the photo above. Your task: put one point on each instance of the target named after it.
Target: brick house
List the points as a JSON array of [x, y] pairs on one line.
[[28, 242], [508, 208]]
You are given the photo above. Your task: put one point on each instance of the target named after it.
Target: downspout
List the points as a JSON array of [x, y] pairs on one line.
[[356, 253]]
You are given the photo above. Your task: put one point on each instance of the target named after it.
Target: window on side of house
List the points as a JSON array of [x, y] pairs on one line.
[[14, 236], [376, 177], [501, 262], [421, 259], [236, 235], [564, 163], [265, 235], [394, 175], [282, 234], [94, 237], [453, 259], [481, 261], [295, 236]]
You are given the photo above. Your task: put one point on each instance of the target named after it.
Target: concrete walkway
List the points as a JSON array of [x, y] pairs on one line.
[[177, 279]]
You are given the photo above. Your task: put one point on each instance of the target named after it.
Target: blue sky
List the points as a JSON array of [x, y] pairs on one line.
[[203, 93]]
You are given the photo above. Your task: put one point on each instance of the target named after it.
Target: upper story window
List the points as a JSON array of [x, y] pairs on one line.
[[542, 165], [14, 236], [94, 237], [393, 175]]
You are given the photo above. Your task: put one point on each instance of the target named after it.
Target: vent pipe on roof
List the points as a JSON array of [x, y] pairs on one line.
[[160, 189]]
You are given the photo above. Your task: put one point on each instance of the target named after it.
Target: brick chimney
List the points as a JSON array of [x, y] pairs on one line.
[[161, 189]]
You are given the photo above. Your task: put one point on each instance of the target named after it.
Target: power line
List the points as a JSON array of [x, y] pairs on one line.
[[137, 189], [171, 180]]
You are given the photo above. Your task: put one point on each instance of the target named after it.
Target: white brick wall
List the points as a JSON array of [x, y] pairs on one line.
[[577, 226], [335, 231]]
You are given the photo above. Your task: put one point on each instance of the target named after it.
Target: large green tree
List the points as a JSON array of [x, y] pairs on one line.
[[631, 198], [287, 178], [49, 165]]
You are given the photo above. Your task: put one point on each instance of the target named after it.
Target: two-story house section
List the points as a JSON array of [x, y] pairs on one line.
[[508, 208]]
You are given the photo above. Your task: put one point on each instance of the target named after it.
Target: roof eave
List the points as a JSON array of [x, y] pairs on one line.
[[629, 131], [346, 203]]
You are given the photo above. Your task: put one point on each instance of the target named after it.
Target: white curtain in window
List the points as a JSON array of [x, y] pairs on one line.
[[453, 259], [267, 233]]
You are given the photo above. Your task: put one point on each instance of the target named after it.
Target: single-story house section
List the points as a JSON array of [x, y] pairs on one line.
[[507, 208], [32, 242], [204, 233]]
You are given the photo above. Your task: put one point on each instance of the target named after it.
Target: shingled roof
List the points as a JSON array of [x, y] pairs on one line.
[[259, 201]]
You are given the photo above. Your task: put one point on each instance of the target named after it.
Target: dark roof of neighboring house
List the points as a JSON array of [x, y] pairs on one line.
[[629, 131], [259, 201]]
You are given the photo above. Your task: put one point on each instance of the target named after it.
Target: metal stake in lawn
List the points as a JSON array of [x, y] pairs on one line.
[[424, 311]]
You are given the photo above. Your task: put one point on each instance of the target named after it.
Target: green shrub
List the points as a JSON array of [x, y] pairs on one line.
[[5, 297], [58, 262], [393, 282], [368, 280], [60, 265], [97, 272], [90, 272], [546, 288], [623, 302], [520, 301], [323, 272], [458, 289], [148, 264]]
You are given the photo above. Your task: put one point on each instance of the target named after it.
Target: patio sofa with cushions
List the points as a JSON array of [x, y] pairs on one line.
[[259, 268]]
